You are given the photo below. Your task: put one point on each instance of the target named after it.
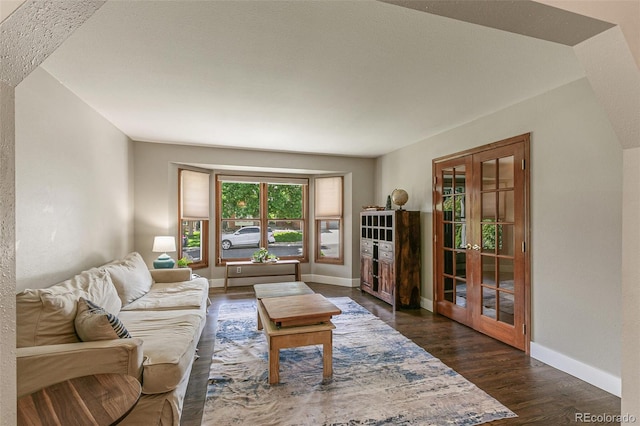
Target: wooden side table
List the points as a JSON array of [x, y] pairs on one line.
[[250, 264], [99, 399]]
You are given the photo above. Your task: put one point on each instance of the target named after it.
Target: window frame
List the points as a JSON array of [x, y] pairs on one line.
[[318, 226], [204, 230], [264, 182]]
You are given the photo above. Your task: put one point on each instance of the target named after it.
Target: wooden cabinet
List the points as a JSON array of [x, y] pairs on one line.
[[390, 256], [366, 268]]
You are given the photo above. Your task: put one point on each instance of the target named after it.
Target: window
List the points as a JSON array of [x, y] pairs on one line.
[[193, 217], [258, 212], [328, 217]]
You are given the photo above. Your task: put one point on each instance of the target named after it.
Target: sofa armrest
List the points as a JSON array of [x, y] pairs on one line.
[[40, 366], [171, 275]]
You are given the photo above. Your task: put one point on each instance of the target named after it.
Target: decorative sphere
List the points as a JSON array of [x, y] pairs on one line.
[[399, 197]]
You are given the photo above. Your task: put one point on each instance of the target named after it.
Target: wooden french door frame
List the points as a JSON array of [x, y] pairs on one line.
[[455, 256], [464, 258]]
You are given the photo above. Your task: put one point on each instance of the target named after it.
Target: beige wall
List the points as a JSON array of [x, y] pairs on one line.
[[74, 185], [630, 283], [576, 172], [156, 194]]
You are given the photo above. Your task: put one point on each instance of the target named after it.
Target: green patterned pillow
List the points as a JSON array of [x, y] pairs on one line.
[[94, 323]]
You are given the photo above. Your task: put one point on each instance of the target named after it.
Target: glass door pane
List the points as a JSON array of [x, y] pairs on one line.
[[498, 239], [455, 190], [452, 230]]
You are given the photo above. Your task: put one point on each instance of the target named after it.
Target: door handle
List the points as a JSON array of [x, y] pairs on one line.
[[474, 247]]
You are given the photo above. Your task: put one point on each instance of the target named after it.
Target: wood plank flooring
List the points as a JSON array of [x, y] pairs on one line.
[[539, 394]]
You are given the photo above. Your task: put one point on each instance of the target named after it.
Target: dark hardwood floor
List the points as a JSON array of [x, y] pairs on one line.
[[537, 393]]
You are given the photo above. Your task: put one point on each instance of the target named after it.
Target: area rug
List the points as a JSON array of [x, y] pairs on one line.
[[379, 378]]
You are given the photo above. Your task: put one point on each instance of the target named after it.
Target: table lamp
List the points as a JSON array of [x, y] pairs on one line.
[[163, 244]]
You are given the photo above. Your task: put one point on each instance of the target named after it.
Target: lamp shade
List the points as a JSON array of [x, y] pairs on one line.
[[164, 244]]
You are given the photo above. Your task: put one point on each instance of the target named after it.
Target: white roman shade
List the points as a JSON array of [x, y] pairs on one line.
[[328, 197], [194, 195]]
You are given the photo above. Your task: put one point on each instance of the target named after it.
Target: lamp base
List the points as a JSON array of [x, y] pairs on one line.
[[164, 261]]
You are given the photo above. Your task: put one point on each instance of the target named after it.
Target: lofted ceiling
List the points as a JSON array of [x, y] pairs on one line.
[[358, 78]]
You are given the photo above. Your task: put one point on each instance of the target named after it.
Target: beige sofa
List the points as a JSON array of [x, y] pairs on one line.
[[164, 312]]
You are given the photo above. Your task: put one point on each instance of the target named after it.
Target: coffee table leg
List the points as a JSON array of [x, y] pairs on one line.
[[327, 356], [274, 362]]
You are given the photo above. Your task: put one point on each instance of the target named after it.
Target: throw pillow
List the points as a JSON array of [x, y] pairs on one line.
[[94, 323], [131, 277]]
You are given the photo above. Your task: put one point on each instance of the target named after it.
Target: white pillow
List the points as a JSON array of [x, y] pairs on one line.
[[130, 277]]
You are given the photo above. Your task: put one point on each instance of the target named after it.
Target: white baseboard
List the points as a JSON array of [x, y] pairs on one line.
[[216, 282], [601, 379], [426, 304], [326, 279]]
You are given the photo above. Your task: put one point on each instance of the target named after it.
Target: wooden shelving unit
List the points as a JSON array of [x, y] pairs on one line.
[[390, 256]]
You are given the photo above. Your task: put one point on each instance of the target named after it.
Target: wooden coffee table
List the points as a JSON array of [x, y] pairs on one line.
[[305, 309], [298, 321], [292, 288], [99, 399], [289, 288]]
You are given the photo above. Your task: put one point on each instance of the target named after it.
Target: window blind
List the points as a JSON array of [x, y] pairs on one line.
[[328, 197], [194, 195]]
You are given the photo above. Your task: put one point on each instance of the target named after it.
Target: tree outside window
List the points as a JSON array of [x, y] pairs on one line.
[[261, 212], [453, 208]]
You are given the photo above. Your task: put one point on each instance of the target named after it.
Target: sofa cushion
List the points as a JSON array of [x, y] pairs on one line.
[[46, 316], [182, 295], [170, 340], [130, 276], [174, 275], [94, 323]]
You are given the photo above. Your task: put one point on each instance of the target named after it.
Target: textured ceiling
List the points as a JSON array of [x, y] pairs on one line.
[[350, 78], [26, 42]]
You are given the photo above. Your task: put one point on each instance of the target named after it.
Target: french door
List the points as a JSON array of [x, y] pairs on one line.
[[481, 235]]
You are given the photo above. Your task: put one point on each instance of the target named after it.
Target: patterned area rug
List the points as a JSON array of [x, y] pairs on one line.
[[379, 377]]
